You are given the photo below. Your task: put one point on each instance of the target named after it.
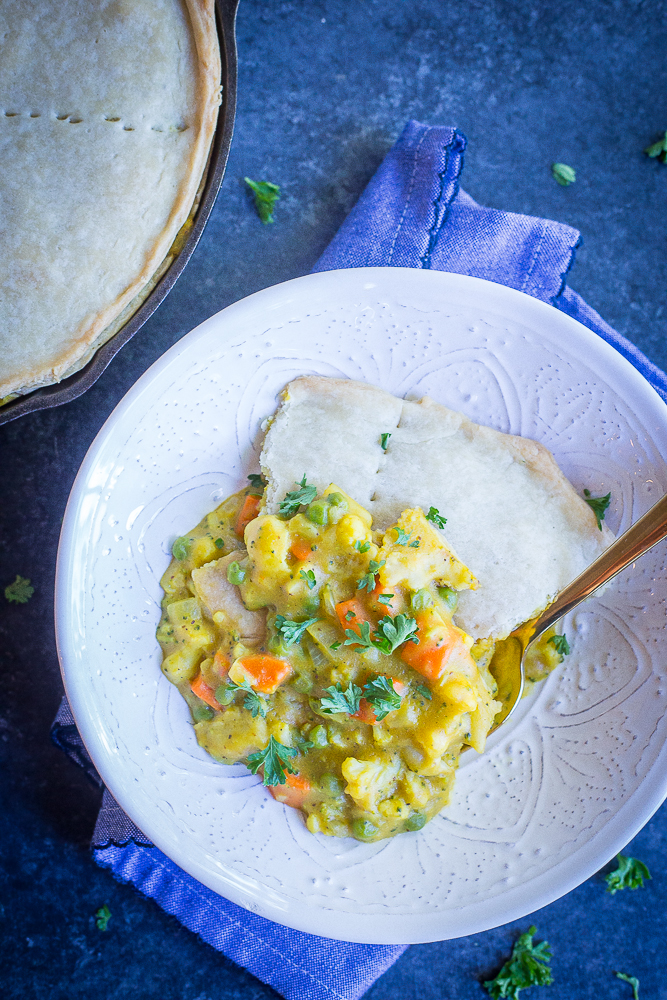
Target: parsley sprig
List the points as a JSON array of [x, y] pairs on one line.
[[560, 644], [436, 517], [658, 150], [402, 537], [275, 759], [257, 485], [630, 874], [393, 632], [338, 700], [253, 702], [292, 632], [297, 498], [20, 591], [368, 579], [381, 694], [102, 918], [598, 505], [632, 980], [266, 195], [528, 966]]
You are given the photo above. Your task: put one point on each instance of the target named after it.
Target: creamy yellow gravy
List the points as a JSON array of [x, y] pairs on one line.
[[324, 654]]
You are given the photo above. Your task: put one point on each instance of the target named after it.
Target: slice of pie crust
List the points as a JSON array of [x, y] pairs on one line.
[[107, 111]]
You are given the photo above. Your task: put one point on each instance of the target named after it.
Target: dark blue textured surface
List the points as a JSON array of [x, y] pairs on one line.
[[321, 101]]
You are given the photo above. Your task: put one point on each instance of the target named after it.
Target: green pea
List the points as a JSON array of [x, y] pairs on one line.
[[180, 548], [449, 596], [318, 512], [421, 599], [318, 736], [224, 695], [363, 829], [337, 500], [235, 574], [331, 785], [277, 646], [202, 713], [415, 822]]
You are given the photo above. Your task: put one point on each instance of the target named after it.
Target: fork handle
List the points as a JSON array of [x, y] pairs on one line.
[[638, 539]]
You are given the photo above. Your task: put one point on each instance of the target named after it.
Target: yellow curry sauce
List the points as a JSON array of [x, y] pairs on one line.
[[323, 654]]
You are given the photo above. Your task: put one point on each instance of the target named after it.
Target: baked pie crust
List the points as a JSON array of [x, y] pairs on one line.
[[107, 111]]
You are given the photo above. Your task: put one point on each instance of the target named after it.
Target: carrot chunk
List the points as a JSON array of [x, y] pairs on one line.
[[203, 691], [351, 613], [365, 712], [264, 673], [293, 792], [300, 549], [439, 643], [247, 514]]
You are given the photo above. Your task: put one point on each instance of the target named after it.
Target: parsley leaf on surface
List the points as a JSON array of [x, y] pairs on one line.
[[362, 546], [292, 632], [338, 700], [630, 874], [658, 149], [275, 758], [385, 599], [253, 702], [415, 544], [368, 580], [296, 498], [560, 644], [266, 196], [102, 917], [360, 638], [335, 645], [309, 577], [527, 966], [634, 982], [424, 691], [381, 694], [384, 440], [304, 746], [563, 174], [219, 543], [20, 591], [436, 517], [257, 484], [598, 505], [392, 633], [401, 536]]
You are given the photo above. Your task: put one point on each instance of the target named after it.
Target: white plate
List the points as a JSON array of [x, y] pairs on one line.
[[563, 787]]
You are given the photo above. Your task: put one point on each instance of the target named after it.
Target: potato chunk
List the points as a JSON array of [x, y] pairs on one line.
[[222, 598]]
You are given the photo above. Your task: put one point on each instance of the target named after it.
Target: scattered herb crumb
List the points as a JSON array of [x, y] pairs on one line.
[[527, 966], [598, 505], [563, 174], [630, 874], [424, 691], [20, 591], [384, 440], [219, 543], [266, 196], [436, 517], [658, 150], [634, 982], [102, 917], [560, 643]]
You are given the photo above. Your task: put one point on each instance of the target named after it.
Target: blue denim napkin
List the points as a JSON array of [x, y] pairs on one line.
[[412, 214]]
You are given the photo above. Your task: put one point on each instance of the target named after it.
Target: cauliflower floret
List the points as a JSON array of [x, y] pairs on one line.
[[370, 780]]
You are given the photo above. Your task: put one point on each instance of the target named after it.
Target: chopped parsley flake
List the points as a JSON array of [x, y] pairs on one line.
[[632, 980], [297, 498], [20, 591], [563, 174], [102, 917], [309, 577], [381, 694], [362, 546], [219, 543], [630, 874], [292, 632], [598, 505], [384, 440], [436, 517], [401, 536], [415, 544], [368, 580], [560, 644], [257, 484], [335, 645], [658, 150], [275, 759], [253, 702], [266, 195], [385, 598], [424, 691], [527, 966], [339, 700]]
